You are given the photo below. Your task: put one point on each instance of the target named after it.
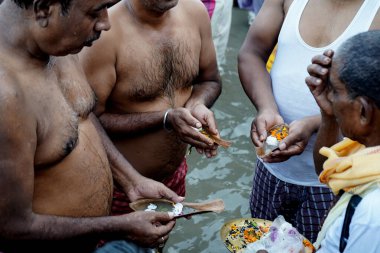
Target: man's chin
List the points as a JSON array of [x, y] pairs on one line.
[[75, 51]]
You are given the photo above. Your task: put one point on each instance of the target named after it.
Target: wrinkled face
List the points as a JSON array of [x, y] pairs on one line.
[[159, 5], [79, 27], [344, 107]]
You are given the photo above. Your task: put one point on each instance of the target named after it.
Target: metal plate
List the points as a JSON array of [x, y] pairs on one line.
[[234, 239]]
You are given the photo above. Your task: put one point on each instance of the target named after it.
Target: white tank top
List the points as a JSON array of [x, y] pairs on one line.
[[291, 93]]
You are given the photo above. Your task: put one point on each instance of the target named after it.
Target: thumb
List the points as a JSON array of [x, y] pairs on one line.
[[163, 217], [286, 142], [170, 195], [261, 130]]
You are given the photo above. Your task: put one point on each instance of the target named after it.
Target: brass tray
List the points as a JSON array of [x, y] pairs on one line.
[[232, 233]]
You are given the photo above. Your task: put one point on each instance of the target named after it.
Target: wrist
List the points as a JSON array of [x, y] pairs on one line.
[[165, 120]]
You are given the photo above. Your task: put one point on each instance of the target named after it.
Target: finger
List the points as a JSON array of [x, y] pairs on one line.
[[207, 153], [314, 84], [167, 193], [210, 153], [213, 152], [255, 139], [329, 53], [261, 130], [198, 144], [275, 159], [321, 60], [187, 118], [290, 151], [199, 150], [165, 228], [317, 70], [211, 124]]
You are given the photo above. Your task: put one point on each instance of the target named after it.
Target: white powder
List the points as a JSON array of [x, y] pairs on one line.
[[272, 141], [151, 208], [177, 209]]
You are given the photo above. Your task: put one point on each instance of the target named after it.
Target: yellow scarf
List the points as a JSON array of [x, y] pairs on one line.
[[350, 167]]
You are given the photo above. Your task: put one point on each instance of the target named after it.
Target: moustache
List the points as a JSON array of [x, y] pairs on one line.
[[92, 39]]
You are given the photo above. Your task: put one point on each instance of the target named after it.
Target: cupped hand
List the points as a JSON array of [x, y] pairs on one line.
[[148, 188], [318, 80], [264, 120], [295, 143], [148, 229]]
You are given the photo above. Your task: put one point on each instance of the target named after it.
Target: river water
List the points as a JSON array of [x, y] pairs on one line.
[[227, 176]]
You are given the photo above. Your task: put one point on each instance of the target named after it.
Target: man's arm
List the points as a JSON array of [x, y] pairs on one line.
[[254, 53], [18, 138], [18, 221], [134, 184], [99, 63], [207, 86], [317, 82]]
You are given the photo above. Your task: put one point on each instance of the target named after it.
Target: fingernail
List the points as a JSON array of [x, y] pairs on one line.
[[282, 146], [198, 125]]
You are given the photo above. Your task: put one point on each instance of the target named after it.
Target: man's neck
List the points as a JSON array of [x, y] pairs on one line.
[[143, 14]]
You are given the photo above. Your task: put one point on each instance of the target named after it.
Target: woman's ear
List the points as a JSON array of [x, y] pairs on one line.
[[366, 110], [42, 10]]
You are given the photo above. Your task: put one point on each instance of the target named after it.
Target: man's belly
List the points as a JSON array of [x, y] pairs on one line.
[[79, 185], [155, 155]]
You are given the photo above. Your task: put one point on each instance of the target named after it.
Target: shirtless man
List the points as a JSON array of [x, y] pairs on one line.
[[56, 181], [301, 29], [155, 76]]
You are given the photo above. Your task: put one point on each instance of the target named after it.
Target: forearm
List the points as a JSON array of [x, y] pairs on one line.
[[132, 123], [256, 81], [48, 227], [327, 136], [205, 93], [122, 170], [313, 123]]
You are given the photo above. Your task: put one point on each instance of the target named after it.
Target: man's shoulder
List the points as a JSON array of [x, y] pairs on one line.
[[367, 210], [193, 6], [11, 84]]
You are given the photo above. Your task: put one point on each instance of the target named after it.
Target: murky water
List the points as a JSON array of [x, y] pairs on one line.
[[227, 176]]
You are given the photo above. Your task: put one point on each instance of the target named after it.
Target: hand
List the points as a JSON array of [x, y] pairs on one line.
[[183, 121], [147, 188], [295, 143], [318, 80], [206, 118], [148, 229], [264, 120]]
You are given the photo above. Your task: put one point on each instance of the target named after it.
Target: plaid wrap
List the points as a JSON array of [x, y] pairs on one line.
[[176, 182], [303, 206]]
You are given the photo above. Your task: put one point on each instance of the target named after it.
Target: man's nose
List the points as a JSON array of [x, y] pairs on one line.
[[103, 24]]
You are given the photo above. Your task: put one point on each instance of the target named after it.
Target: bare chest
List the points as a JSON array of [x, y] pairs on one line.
[[61, 102], [157, 67]]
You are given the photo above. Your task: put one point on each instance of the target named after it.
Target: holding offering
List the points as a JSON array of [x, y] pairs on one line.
[[178, 210], [275, 135]]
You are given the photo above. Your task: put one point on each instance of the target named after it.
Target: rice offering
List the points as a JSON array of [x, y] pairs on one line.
[[275, 135], [175, 211], [151, 208]]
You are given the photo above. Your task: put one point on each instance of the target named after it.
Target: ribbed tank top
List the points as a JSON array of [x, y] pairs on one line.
[[291, 93]]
